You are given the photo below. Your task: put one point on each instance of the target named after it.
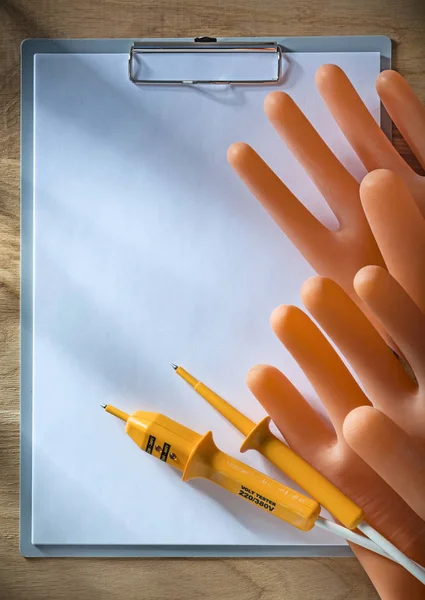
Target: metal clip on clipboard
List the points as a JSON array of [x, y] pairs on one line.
[[199, 46]]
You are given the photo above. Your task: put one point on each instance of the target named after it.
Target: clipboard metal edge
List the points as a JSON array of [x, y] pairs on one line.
[[30, 47], [138, 48]]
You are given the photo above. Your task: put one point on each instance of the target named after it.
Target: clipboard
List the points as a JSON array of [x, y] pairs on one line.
[[50, 316]]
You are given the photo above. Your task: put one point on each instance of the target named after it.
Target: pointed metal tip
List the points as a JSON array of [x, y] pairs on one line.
[[175, 367], [103, 405]]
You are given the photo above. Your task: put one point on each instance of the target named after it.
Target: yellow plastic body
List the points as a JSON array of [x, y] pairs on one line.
[[260, 438], [198, 457], [163, 438], [307, 477]]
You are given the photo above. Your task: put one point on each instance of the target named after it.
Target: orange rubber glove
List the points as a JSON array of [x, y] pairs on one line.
[[336, 254], [400, 232], [365, 136], [390, 451], [396, 298]]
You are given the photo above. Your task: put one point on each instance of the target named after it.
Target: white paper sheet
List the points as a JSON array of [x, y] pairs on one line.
[[149, 250]]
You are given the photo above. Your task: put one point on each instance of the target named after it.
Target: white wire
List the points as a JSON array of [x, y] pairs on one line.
[[351, 536], [376, 543], [410, 565]]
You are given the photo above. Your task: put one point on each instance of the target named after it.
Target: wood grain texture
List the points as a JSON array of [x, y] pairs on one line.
[[238, 579]]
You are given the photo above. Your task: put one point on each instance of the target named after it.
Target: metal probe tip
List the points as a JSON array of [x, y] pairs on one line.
[[103, 405], [175, 367]]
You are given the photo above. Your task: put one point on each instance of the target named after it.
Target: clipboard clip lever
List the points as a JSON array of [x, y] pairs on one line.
[[202, 46]]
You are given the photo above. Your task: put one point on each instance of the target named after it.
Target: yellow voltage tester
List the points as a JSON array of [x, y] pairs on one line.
[[198, 456], [259, 437]]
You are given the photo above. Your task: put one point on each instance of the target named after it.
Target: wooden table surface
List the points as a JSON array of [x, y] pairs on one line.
[[167, 579]]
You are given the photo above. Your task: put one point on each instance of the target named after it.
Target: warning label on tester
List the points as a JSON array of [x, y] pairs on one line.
[[255, 498], [150, 445], [165, 451]]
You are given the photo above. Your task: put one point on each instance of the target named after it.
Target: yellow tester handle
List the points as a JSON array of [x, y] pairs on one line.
[[208, 462], [198, 457], [259, 437], [309, 479]]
